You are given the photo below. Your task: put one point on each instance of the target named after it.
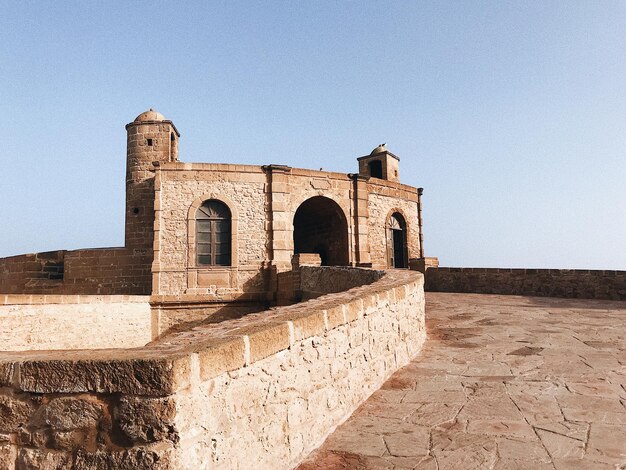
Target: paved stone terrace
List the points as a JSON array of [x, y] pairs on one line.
[[503, 382]]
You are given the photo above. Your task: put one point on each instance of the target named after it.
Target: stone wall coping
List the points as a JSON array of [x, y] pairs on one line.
[[42, 299], [206, 351], [42, 254], [222, 167], [48, 254]]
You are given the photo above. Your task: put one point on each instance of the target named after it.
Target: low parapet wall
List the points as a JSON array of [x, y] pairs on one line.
[[566, 283], [315, 281], [260, 391], [49, 322]]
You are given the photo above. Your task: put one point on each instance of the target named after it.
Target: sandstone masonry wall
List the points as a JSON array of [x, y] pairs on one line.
[[73, 322], [268, 387], [113, 271], [315, 282], [382, 202], [106, 271], [263, 202], [289, 390], [239, 187], [567, 283], [31, 272]]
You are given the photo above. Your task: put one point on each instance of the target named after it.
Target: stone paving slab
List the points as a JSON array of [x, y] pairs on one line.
[[503, 382]]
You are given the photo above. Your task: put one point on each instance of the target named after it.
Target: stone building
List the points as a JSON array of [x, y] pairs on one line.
[[143, 354], [228, 232]]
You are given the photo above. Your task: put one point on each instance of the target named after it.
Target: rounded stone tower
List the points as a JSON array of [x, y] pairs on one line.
[[151, 140]]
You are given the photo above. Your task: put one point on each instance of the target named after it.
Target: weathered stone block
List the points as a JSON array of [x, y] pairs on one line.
[[72, 440], [221, 355], [69, 413], [15, 411], [266, 339], [35, 459], [306, 323], [154, 457], [145, 420], [8, 454], [335, 315], [353, 310], [6, 373], [134, 376]]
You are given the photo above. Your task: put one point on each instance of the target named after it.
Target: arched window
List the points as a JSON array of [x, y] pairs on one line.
[[213, 234], [397, 241], [376, 169]]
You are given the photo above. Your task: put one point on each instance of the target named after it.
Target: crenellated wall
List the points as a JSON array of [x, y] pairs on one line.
[[567, 283], [271, 385]]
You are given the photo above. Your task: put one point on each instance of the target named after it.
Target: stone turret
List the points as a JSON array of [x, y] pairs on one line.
[[380, 163], [152, 140]]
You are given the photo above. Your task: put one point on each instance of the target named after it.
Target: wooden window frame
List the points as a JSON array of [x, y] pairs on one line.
[[216, 227], [192, 247]]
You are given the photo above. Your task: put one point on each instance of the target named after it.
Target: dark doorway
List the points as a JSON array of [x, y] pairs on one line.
[[397, 240], [319, 226], [376, 169]]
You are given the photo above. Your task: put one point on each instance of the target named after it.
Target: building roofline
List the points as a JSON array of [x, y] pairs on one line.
[[378, 154]]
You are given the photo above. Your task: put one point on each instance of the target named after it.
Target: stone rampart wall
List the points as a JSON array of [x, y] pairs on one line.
[[31, 272], [263, 390], [106, 271], [112, 271], [73, 322], [567, 283]]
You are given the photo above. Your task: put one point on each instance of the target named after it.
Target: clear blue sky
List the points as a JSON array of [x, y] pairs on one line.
[[511, 115]]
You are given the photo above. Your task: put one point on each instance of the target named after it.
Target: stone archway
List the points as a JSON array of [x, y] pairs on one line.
[[320, 226], [397, 241]]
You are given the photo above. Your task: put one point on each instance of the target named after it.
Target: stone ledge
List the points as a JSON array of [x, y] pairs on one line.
[[150, 375]]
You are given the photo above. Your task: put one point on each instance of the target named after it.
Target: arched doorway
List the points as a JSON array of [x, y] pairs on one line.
[[397, 241], [320, 226]]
